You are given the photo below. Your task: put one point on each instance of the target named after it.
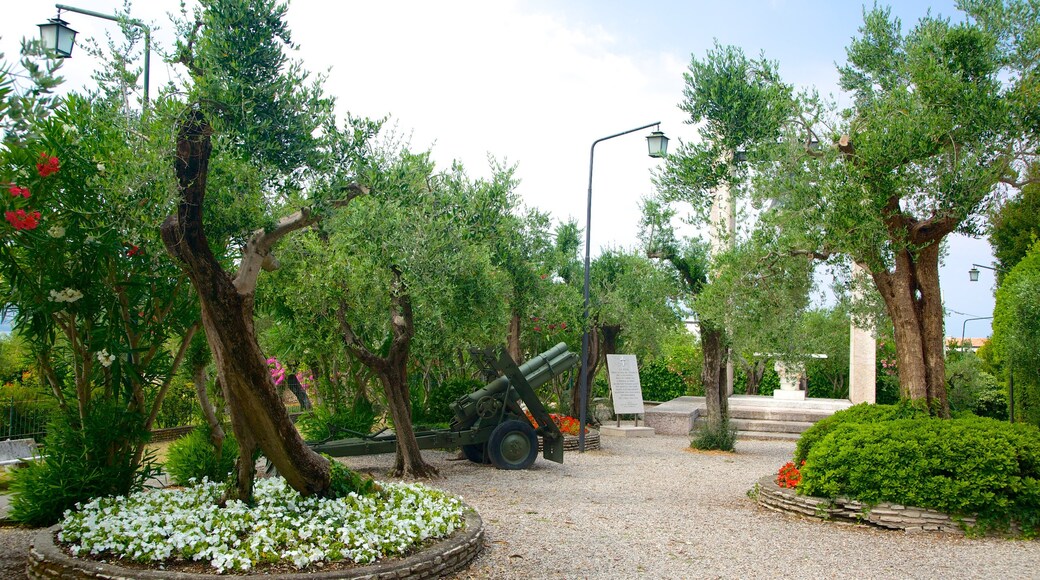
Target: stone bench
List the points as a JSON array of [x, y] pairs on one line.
[[17, 452]]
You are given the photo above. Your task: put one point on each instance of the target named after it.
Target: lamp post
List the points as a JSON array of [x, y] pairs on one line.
[[657, 145], [965, 324], [973, 274], [57, 36]]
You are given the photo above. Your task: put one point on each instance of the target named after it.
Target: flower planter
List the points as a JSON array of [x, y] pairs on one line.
[[570, 442]]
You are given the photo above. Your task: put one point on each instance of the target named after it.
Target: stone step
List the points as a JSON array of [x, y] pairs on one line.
[[768, 435], [768, 426], [779, 414]]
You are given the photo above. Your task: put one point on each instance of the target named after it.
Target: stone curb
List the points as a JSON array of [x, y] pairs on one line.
[[570, 442], [47, 560], [883, 515]]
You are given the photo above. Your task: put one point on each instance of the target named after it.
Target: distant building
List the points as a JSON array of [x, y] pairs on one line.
[[954, 343]]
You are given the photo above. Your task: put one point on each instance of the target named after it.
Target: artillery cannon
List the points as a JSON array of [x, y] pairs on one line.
[[489, 424]]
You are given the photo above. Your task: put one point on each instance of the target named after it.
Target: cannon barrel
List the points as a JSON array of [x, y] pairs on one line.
[[537, 371]]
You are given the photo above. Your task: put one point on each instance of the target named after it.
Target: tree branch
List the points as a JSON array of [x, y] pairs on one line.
[[353, 343], [259, 246]]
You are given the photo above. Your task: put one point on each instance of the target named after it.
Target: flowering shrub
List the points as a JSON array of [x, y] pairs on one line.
[[282, 527], [568, 425], [48, 165], [789, 475]]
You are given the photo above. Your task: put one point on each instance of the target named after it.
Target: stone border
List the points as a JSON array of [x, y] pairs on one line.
[[47, 560], [570, 442], [883, 515]]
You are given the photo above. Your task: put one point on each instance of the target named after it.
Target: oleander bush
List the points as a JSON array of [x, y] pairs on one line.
[[194, 457], [861, 413], [970, 466], [323, 422], [446, 393]]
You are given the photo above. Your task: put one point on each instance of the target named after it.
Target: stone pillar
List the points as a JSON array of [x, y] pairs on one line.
[[862, 359]]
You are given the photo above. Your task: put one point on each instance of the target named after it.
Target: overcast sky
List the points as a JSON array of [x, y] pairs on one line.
[[535, 83]]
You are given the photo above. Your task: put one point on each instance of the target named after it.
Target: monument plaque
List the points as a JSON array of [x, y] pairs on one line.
[[625, 389]]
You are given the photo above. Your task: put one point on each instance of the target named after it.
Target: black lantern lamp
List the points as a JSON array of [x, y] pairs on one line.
[[57, 36], [973, 274]]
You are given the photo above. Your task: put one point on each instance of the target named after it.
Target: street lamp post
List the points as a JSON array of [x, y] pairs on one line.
[[657, 144], [57, 36]]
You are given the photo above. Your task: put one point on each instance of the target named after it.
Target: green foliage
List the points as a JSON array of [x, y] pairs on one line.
[[972, 389], [714, 438], [180, 406], [769, 383], [446, 393], [82, 462], [964, 466], [323, 422], [1016, 334], [194, 457], [1015, 226], [345, 481], [856, 414], [660, 383]]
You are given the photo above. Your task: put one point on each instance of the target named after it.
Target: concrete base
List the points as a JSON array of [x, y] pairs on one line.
[[625, 431], [789, 395]]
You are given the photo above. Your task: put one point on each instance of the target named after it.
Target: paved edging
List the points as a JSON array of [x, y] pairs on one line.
[[47, 560], [883, 515]]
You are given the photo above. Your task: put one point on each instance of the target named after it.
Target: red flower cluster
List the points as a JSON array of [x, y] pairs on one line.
[[19, 191], [789, 475], [551, 327], [48, 165], [568, 425], [21, 220], [133, 251]]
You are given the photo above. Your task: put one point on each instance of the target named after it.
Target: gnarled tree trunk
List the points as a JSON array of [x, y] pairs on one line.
[[914, 303], [258, 417], [392, 371]]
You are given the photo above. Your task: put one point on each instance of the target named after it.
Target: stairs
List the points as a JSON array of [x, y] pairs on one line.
[[754, 417]]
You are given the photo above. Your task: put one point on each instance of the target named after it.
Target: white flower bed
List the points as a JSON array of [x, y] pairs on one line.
[[283, 526]]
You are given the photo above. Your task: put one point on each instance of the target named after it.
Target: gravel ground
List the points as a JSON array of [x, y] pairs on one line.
[[650, 508]]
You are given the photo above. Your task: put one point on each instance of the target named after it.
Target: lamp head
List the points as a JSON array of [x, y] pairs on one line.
[[657, 144], [56, 35], [973, 274]]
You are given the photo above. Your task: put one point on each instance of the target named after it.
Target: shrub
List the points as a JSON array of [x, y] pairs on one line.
[[82, 462], [446, 393], [720, 438], [861, 413], [321, 422], [964, 467], [179, 406], [193, 456], [660, 383]]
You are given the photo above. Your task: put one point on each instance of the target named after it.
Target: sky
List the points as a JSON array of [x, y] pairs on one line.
[[535, 83]]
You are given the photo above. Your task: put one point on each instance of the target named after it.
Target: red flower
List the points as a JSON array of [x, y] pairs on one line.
[[48, 165], [16, 191], [544, 276], [22, 220], [789, 475], [538, 329], [563, 326], [133, 251]]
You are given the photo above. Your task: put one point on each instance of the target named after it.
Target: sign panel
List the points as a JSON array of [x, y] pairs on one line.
[[625, 388]]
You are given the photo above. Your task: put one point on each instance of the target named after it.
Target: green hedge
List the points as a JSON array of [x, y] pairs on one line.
[[660, 383], [861, 413], [968, 467]]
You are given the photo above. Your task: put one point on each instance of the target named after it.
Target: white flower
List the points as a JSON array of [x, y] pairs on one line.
[[56, 231], [105, 359], [69, 295], [69, 129], [101, 167]]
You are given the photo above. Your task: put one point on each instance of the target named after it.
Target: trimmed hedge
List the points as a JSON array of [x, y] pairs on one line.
[[861, 413], [963, 467]]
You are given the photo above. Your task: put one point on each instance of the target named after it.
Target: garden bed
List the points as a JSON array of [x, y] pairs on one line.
[[883, 515], [570, 442]]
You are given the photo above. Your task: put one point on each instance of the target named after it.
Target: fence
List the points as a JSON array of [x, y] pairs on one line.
[[25, 418]]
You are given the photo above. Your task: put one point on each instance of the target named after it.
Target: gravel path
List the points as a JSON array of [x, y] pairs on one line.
[[650, 508]]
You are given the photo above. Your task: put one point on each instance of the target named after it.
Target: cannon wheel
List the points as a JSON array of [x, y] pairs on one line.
[[513, 445], [477, 453]]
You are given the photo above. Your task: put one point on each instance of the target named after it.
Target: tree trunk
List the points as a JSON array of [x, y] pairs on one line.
[[216, 430], [754, 371], [513, 340], [595, 347], [297, 389], [392, 371], [914, 303], [258, 417], [713, 375]]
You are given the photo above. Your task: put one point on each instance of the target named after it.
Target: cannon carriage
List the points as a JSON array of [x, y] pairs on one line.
[[490, 424]]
